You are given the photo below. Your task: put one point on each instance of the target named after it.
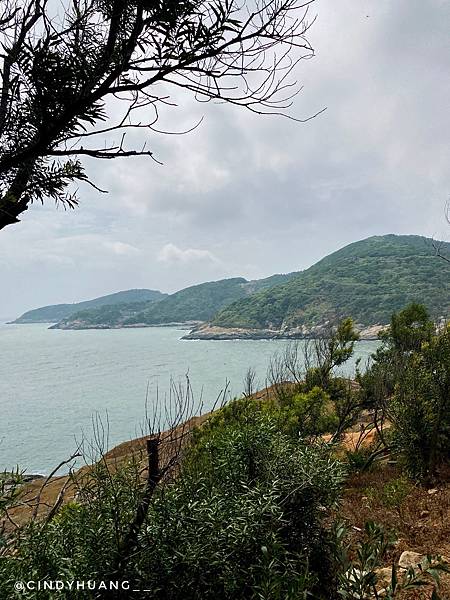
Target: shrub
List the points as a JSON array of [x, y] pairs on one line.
[[409, 384], [359, 460], [251, 498], [242, 519], [298, 414], [81, 541], [420, 408], [305, 414]]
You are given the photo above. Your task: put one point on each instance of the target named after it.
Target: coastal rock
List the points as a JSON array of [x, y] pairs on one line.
[[410, 559], [384, 576], [214, 332], [370, 333], [31, 477]]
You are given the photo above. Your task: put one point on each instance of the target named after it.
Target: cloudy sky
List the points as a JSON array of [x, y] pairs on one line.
[[252, 196]]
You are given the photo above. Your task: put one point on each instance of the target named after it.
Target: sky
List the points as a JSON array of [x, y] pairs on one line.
[[245, 195]]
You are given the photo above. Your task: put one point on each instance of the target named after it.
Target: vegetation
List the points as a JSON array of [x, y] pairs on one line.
[[57, 312], [251, 503], [358, 576], [60, 69], [367, 280], [195, 303], [409, 384], [244, 519]]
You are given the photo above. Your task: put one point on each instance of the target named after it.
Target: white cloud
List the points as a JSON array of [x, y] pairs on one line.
[[172, 254], [122, 249]]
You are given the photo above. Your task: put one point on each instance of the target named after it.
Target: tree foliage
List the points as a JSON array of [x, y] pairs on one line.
[[76, 78], [409, 382], [420, 407]]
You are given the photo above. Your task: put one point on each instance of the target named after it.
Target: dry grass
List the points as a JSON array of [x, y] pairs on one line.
[[48, 491]]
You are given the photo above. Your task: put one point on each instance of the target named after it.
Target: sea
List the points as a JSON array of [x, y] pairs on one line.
[[59, 388]]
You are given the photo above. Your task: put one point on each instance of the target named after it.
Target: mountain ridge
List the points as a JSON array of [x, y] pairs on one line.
[[56, 312], [196, 303], [367, 280]]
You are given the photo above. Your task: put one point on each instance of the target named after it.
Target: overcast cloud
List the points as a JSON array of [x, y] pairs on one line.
[[251, 196]]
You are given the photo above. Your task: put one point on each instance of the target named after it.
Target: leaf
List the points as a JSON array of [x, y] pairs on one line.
[[394, 579]]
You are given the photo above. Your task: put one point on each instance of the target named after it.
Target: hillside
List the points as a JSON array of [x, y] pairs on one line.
[[195, 303], [367, 280], [57, 312]]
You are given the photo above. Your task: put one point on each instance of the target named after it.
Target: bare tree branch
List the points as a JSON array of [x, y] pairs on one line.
[[63, 78], [438, 247]]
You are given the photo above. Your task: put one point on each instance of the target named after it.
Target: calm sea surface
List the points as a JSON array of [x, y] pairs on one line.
[[52, 382]]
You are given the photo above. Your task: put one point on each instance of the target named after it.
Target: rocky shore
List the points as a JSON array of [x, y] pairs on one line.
[[82, 325], [205, 331], [212, 332]]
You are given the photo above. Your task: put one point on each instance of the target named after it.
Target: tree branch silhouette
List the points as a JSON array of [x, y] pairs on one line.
[[105, 68]]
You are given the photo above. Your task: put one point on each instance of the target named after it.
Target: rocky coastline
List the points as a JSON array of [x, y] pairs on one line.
[[205, 331], [212, 332], [82, 325]]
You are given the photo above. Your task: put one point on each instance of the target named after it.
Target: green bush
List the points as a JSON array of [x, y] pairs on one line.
[[358, 460], [251, 498], [409, 384], [242, 520], [420, 408], [305, 414], [81, 541]]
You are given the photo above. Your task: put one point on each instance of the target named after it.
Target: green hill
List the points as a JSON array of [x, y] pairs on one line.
[[367, 280], [201, 302], [196, 303], [57, 312]]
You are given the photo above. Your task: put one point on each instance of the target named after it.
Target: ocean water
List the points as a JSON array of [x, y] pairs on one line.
[[53, 383]]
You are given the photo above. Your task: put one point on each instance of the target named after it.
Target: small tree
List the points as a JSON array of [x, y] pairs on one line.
[[70, 80], [420, 407], [409, 329], [409, 384], [328, 351]]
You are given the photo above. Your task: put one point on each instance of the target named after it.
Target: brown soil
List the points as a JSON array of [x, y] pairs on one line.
[[420, 522]]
